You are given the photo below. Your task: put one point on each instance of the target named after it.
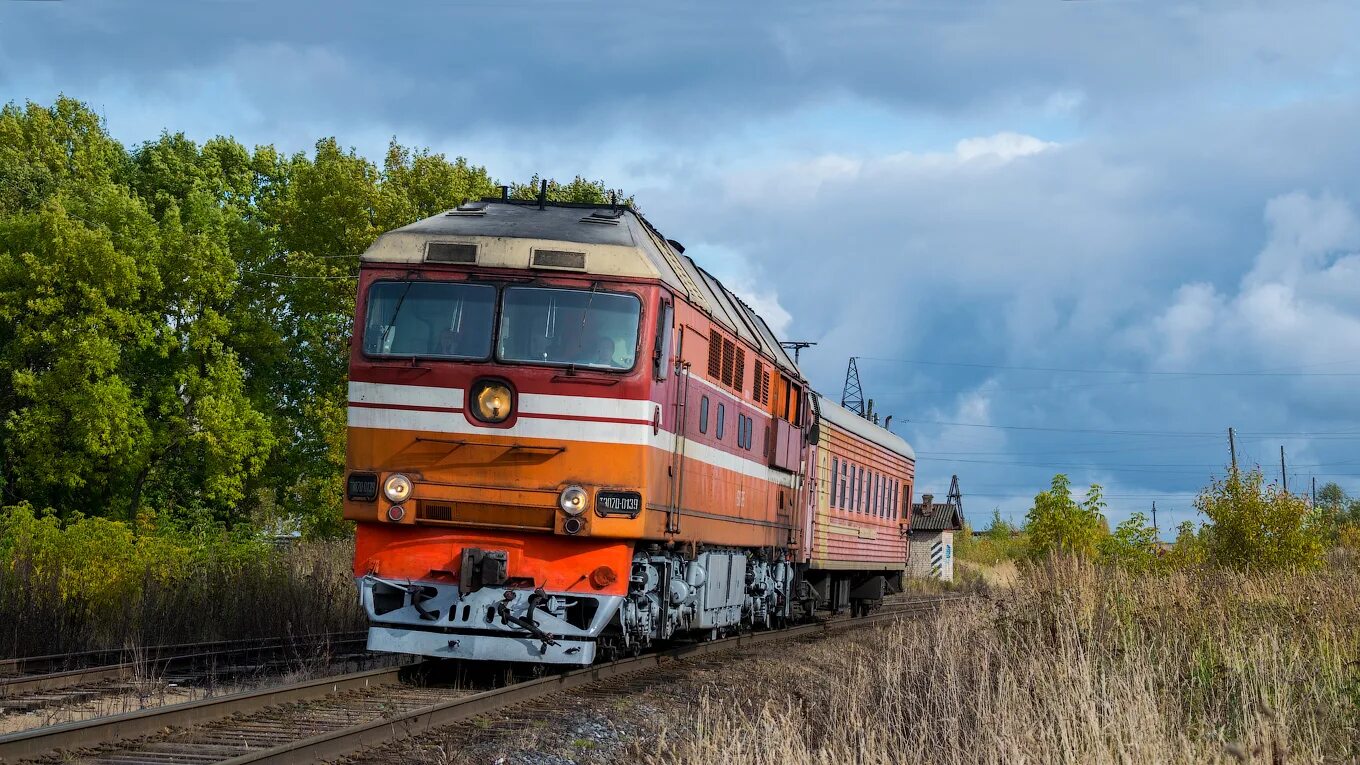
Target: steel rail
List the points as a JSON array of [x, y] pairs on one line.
[[101, 730], [19, 684], [19, 665], [345, 741], [97, 731]]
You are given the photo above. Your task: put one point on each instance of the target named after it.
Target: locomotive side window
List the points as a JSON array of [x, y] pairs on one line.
[[562, 327], [703, 414], [429, 319], [722, 417]]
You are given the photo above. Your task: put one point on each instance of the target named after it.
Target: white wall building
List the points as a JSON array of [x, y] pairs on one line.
[[932, 538]]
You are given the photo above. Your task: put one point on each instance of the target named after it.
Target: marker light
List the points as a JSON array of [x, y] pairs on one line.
[[572, 500], [395, 513], [492, 401], [397, 488]]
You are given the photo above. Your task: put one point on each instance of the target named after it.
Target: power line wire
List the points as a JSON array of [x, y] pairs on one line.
[[1147, 372]]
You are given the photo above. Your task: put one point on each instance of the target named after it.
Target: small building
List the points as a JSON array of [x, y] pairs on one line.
[[932, 535]]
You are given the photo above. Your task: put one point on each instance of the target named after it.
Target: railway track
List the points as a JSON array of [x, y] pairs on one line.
[[333, 717], [38, 682]]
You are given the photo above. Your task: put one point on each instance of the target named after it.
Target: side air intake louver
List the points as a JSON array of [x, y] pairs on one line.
[[450, 252], [575, 261]]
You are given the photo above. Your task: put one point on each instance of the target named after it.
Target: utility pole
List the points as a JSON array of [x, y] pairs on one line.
[[1155, 531], [1284, 477], [1232, 449], [1314, 492]]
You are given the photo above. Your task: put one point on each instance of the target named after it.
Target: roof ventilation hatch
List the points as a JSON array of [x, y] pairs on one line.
[[468, 209], [450, 252], [570, 261]]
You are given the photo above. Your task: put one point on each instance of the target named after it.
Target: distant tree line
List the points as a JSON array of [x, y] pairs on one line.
[[1247, 524], [175, 317]]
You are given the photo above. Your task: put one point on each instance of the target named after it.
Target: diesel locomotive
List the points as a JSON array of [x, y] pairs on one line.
[[567, 442]]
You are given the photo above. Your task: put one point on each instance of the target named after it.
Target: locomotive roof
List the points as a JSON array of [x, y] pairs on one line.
[[618, 242], [847, 420]]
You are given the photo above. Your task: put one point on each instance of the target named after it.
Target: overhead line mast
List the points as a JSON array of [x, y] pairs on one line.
[[852, 396]]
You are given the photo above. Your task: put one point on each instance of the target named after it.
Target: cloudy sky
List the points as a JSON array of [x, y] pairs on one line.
[[1081, 237]]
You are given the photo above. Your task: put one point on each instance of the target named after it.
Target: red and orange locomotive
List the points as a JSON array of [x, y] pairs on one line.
[[566, 441]]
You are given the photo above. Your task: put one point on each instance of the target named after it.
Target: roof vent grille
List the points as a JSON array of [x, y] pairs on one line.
[[604, 217], [469, 209], [573, 261], [450, 252]]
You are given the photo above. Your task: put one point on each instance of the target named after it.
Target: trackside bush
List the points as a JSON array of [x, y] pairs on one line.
[[1060, 524], [92, 583], [1259, 526]]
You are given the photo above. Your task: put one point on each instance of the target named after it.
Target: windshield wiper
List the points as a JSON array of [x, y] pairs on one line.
[[396, 311]]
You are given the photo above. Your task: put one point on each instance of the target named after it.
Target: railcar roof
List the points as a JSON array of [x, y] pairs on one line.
[[847, 420], [622, 240]]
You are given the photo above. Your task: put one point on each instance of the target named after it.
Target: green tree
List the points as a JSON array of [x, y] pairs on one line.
[[1133, 545], [999, 530], [1332, 498], [175, 319], [1188, 549], [1058, 523], [1255, 525], [577, 190]]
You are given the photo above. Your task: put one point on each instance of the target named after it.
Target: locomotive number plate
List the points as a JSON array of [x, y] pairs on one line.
[[626, 503]]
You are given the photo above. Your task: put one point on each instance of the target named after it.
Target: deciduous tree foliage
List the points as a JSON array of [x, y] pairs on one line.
[[1254, 525], [175, 318], [1058, 523]]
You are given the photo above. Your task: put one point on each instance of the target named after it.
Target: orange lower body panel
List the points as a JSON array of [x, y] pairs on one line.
[[557, 564]]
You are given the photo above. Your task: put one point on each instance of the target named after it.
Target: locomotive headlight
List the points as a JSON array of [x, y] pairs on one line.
[[572, 500], [397, 488], [492, 401]]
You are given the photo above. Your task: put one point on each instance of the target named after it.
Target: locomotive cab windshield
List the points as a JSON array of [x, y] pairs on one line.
[[538, 325], [569, 327]]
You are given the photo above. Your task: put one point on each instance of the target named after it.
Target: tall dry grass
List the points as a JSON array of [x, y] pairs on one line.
[[1076, 664], [304, 590]]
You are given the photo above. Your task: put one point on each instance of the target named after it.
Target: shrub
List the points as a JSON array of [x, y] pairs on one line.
[[1256, 525], [1133, 545], [92, 583], [1059, 524]]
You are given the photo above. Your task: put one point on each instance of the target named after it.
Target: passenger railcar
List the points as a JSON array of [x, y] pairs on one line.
[[566, 440]]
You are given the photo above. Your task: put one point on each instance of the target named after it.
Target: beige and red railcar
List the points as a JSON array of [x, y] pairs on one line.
[[566, 439]]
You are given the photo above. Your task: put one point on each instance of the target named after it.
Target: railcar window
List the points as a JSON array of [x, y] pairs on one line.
[[561, 327], [843, 468], [703, 414], [722, 415], [429, 319], [835, 476], [877, 493]]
